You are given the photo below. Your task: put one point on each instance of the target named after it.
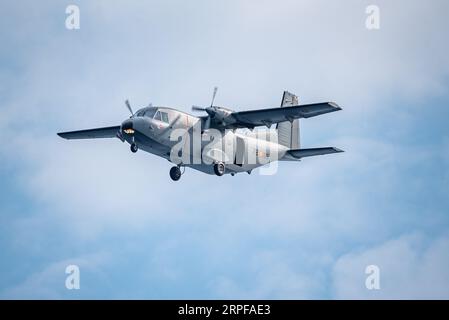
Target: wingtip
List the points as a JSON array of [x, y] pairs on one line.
[[336, 106], [61, 134], [338, 150]]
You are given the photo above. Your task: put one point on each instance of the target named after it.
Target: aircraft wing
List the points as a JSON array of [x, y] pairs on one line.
[[106, 132], [266, 117], [301, 153]]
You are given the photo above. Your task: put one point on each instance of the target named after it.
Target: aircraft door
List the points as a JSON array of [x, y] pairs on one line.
[[240, 146]]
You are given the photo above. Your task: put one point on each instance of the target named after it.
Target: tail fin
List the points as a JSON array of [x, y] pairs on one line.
[[288, 132]]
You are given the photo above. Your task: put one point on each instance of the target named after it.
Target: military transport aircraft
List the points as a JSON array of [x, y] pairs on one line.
[[223, 147]]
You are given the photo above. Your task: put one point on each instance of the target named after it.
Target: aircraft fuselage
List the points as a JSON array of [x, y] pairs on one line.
[[241, 152]]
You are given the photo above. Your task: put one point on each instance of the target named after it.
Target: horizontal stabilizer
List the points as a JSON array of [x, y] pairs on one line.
[[107, 132], [301, 153]]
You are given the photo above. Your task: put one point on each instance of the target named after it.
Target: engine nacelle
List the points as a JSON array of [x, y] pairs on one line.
[[220, 115]]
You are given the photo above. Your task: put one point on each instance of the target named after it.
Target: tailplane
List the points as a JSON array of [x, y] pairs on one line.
[[301, 153]]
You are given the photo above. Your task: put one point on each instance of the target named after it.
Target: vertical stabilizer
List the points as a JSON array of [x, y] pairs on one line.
[[288, 132]]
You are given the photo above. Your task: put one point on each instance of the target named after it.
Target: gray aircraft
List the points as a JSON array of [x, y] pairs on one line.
[[222, 141]]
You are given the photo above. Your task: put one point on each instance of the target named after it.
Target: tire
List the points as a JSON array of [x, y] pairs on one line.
[[219, 169], [175, 173], [134, 148]]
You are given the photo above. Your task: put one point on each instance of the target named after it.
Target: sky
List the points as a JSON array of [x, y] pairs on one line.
[[307, 232]]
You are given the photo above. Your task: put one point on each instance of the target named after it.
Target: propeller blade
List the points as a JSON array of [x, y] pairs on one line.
[[198, 108], [213, 96], [129, 107]]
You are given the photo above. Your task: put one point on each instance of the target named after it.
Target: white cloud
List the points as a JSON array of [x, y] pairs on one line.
[[411, 267], [273, 275], [49, 283]]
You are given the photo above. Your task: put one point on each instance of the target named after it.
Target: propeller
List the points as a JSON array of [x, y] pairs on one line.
[[211, 110], [129, 107]]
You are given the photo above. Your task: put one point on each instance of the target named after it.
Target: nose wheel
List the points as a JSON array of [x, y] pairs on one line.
[[175, 173], [134, 148]]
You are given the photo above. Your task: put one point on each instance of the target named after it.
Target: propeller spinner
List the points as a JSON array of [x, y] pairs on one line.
[[218, 114]]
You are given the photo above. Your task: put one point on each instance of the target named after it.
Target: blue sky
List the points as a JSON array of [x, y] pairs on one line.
[[307, 232]]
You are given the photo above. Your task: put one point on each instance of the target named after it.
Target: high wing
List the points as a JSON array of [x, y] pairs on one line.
[[107, 132], [266, 117]]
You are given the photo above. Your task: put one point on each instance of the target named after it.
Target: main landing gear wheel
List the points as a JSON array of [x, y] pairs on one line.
[[134, 148], [175, 173], [219, 169]]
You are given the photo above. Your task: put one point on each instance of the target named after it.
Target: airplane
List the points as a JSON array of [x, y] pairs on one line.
[[218, 146]]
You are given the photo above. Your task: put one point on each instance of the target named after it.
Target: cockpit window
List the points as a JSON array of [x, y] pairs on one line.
[[150, 113], [157, 116], [140, 113]]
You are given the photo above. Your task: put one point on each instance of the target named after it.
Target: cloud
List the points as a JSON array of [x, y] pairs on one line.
[[411, 267], [49, 283], [271, 274]]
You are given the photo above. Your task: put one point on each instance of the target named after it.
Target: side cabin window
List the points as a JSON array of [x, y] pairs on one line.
[[164, 116]]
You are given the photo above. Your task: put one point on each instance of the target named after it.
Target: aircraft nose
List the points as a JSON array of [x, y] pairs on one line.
[[127, 126]]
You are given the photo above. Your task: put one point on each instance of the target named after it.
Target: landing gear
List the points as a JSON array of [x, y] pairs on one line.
[[134, 148], [175, 173], [219, 169]]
